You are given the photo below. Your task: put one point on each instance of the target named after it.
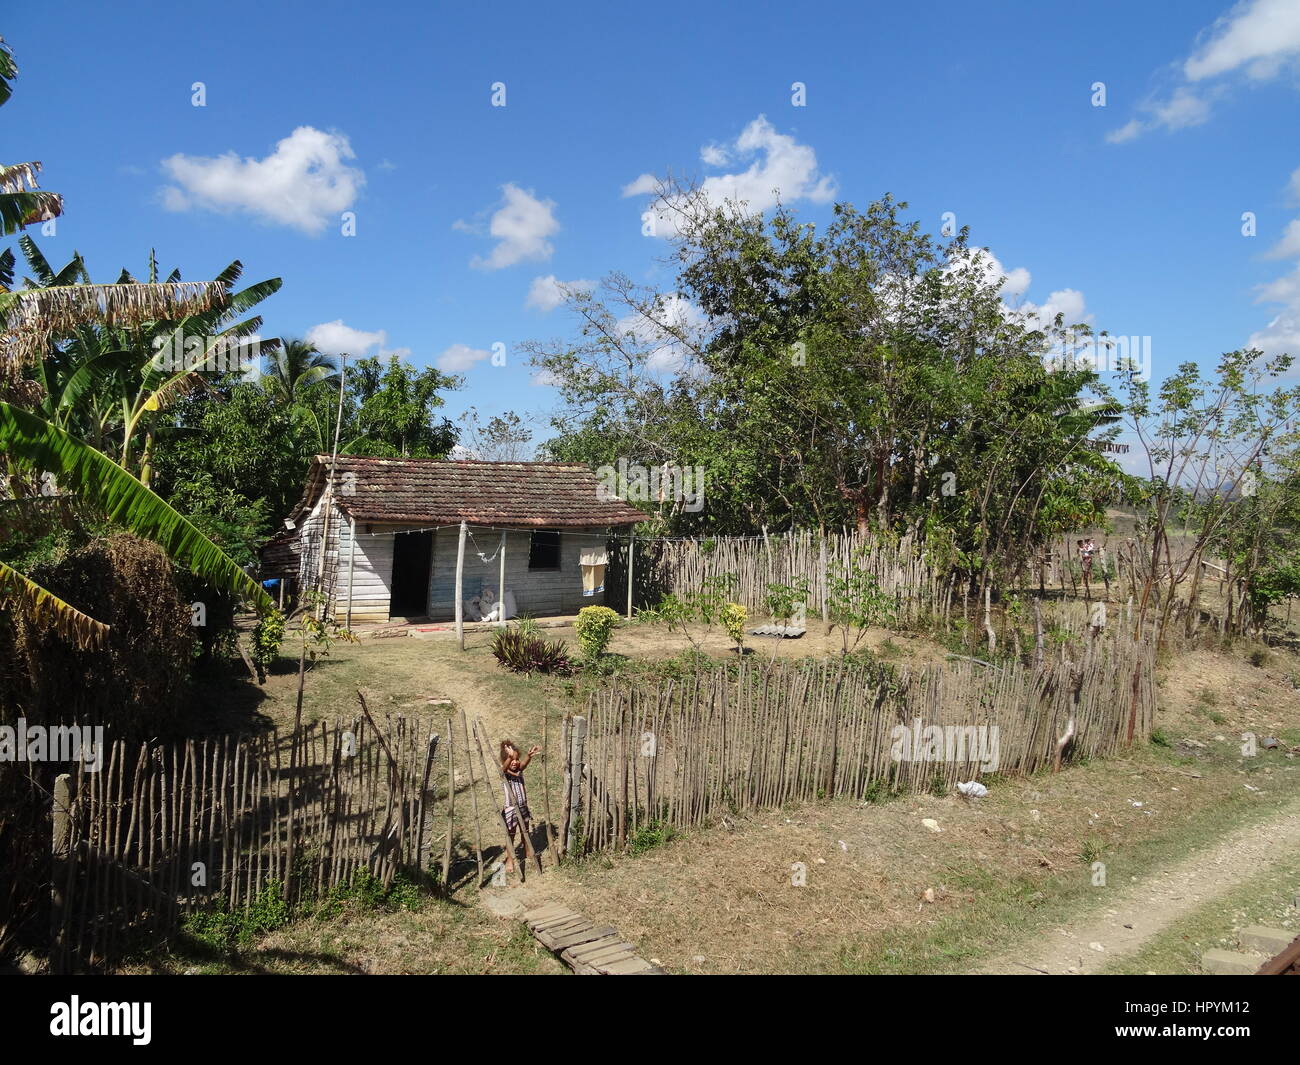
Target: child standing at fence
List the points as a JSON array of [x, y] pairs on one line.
[[516, 810]]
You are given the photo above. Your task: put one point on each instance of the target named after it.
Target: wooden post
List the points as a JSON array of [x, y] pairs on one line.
[[352, 565], [546, 789], [631, 552], [573, 777], [473, 798], [451, 807], [460, 578], [826, 603], [501, 581], [58, 875]]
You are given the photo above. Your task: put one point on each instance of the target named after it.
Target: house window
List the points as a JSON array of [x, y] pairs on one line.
[[544, 549]]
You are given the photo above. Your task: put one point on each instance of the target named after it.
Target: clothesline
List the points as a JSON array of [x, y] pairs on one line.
[[567, 532]]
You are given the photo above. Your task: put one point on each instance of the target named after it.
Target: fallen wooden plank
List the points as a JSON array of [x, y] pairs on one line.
[[601, 961], [553, 934], [624, 968], [576, 939], [586, 950], [558, 922]]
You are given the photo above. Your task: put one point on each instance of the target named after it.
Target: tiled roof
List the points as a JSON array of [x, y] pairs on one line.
[[542, 494]]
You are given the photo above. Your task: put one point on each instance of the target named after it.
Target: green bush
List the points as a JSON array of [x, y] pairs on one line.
[[650, 835], [268, 634], [530, 654], [733, 617], [595, 625]]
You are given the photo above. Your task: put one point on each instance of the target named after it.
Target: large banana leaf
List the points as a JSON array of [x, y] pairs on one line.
[[48, 609], [100, 481]]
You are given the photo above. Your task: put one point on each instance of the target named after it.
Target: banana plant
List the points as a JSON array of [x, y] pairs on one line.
[[98, 481], [110, 380]]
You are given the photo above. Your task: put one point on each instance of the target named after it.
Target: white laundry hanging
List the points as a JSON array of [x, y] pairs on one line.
[[592, 561]]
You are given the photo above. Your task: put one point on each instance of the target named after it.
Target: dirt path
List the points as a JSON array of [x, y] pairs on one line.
[[1139, 911]]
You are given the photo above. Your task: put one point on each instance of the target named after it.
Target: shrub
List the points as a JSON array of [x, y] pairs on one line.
[[595, 624], [650, 835], [530, 654], [268, 634], [733, 617]]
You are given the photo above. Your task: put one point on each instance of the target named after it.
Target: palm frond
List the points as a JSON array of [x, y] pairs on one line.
[[33, 318], [46, 608], [8, 71]]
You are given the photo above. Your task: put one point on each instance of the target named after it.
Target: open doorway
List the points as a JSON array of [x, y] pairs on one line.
[[412, 559]]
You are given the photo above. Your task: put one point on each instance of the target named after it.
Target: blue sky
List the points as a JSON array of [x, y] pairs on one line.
[[1128, 215]]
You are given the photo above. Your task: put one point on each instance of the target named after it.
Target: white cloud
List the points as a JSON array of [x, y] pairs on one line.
[[547, 293], [1182, 110], [1283, 290], [460, 357], [521, 226], [1257, 39], [1289, 246], [1067, 302], [335, 338], [645, 185], [1293, 189], [1126, 132], [714, 155], [1282, 334], [1258, 34], [783, 170], [305, 183]]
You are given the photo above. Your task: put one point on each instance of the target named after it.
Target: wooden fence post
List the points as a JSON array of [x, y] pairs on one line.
[[58, 872], [573, 779], [460, 577], [826, 604], [631, 550]]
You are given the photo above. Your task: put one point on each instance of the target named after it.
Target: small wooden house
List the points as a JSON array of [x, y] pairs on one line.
[[385, 534]]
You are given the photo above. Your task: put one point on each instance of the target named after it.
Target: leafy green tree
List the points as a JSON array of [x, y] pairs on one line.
[[1207, 442], [235, 464], [862, 376], [395, 407]]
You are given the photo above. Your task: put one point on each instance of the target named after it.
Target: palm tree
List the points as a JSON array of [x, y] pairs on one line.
[[21, 202], [131, 382], [296, 367]]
